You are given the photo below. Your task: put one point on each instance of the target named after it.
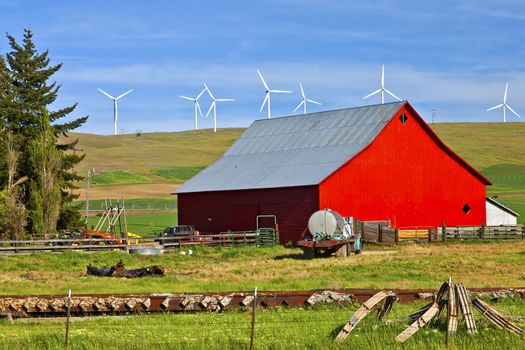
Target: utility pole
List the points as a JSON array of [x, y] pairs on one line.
[[434, 114], [90, 174]]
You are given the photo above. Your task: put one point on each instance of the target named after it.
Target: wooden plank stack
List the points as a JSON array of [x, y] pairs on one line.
[[451, 296]]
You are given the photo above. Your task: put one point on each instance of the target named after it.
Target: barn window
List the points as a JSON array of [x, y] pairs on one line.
[[403, 118], [466, 209]]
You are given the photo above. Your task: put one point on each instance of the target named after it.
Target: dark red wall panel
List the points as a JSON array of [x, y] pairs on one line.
[[237, 210], [405, 176]]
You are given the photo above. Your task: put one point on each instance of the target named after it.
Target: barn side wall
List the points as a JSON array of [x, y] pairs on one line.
[[404, 176], [237, 210]]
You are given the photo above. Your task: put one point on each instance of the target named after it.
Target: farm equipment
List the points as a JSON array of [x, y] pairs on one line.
[[329, 233], [106, 227]]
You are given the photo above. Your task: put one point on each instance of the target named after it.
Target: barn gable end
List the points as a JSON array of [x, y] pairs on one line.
[[407, 175]]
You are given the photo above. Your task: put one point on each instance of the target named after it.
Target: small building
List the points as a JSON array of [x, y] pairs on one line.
[[379, 162], [498, 214]]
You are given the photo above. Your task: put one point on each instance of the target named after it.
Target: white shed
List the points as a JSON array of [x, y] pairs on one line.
[[498, 214]]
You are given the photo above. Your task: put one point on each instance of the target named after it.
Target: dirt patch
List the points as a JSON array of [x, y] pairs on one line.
[[378, 252], [162, 190]]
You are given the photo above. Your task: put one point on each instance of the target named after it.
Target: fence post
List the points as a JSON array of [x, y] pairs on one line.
[[252, 333], [482, 231], [379, 234], [429, 235], [68, 316], [396, 235], [443, 230]]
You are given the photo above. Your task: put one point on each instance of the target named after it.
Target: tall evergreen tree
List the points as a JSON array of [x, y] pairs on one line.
[[28, 118]]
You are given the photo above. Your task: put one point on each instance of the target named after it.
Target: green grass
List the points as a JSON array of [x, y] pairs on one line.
[[272, 268], [506, 178], [186, 149], [297, 328], [485, 144], [153, 203], [146, 225], [118, 177], [178, 174]]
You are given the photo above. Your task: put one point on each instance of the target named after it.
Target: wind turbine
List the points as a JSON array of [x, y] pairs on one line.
[[196, 106], [504, 105], [305, 100], [382, 90], [268, 92], [115, 106], [214, 106]]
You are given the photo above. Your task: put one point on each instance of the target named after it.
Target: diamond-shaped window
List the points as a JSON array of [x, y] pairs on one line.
[[403, 118], [466, 208]]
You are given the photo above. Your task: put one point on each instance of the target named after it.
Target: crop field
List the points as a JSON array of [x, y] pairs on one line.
[[272, 268], [312, 328]]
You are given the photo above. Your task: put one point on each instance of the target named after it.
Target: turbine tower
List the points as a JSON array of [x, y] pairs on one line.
[[504, 105], [214, 106], [196, 106], [115, 107], [305, 100], [382, 90], [268, 93]]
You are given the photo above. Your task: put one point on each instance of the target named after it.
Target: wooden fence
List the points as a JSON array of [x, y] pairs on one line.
[[476, 232], [376, 232], [382, 233], [261, 237]]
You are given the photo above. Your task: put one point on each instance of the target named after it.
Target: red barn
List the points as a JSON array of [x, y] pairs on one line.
[[380, 162]]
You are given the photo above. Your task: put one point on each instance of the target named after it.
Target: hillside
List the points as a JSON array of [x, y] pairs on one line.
[[152, 164], [152, 158]]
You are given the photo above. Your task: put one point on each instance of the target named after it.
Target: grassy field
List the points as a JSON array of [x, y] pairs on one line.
[[313, 328], [120, 177], [275, 268], [146, 225], [141, 155], [135, 203]]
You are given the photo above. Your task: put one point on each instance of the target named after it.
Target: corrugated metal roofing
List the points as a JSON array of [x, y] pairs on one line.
[[293, 151]]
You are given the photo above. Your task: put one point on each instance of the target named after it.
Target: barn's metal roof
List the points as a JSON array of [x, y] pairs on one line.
[[293, 151]]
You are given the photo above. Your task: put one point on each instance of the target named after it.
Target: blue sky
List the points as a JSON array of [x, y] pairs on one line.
[[452, 56]]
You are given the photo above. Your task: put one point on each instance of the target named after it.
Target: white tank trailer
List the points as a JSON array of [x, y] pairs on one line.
[[330, 233], [329, 224]]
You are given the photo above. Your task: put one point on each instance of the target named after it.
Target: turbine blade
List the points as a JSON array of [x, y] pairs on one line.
[[391, 94], [498, 106], [315, 102], [124, 94], [198, 107], [505, 95], [264, 102], [302, 91], [262, 79], [513, 111], [372, 94], [187, 98], [209, 110], [199, 95], [225, 99], [282, 91], [383, 76], [299, 105], [209, 92], [105, 93]]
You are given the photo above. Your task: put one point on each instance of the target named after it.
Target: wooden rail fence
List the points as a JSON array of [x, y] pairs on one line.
[[381, 233], [261, 237]]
